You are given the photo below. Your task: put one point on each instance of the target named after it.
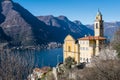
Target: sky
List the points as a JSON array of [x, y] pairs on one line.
[[82, 10]]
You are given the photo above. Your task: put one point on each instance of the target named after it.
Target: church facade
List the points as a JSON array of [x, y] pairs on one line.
[[83, 49]]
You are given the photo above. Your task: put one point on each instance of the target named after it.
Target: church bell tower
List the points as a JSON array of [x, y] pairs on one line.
[[98, 25]]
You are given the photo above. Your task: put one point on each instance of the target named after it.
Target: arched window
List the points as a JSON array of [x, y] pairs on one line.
[[69, 48], [101, 26], [96, 25]]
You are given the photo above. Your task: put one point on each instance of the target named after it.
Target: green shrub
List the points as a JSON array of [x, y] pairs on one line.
[[69, 62]]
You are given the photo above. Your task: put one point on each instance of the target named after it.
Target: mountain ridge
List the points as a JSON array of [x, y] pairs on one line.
[[23, 28], [26, 29], [66, 24], [109, 28]]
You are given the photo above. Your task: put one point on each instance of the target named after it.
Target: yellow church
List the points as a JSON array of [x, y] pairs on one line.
[[83, 49]]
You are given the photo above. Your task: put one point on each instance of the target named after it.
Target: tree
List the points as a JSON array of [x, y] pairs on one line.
[[69, 62], [105, 67], [116, 42], [15, 65]]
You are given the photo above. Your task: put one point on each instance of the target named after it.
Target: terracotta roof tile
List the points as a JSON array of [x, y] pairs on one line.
[[37, 70], [43, 70], [92, 38]]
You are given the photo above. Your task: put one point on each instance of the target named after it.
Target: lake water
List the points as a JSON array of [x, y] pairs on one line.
[[48, 57]]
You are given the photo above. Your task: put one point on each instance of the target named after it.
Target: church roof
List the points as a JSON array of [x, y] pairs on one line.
[[92, 38], [99, 13], [69, 38]]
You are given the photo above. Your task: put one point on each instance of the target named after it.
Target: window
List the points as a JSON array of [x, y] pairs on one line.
[[87, 42], [83, 59], [96, 25], [101, 26], [80, 42], [83, 42], [69, 48], [87, 60], [83, 48], [80, 48], [80, 58], [86, 48]]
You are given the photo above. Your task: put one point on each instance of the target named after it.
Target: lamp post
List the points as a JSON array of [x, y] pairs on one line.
[[58, 58]]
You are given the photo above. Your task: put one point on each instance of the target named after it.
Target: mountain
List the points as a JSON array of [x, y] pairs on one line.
[[3, 36], [23, 28], [18, 24], [75, 28], [2, 17], [109, 28]]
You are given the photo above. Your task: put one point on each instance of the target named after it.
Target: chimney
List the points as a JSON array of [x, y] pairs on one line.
[[85, 35]]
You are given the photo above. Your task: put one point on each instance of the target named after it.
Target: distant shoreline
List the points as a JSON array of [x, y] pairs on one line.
[[51, 45]]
